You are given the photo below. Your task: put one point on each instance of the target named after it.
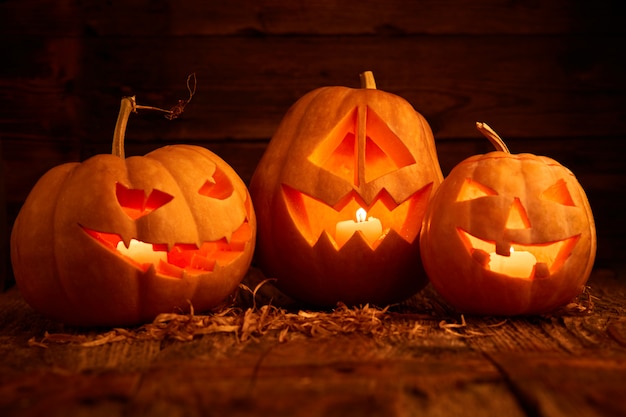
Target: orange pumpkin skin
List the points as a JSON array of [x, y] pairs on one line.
[[499, 200], [65, 269], [338, 149]]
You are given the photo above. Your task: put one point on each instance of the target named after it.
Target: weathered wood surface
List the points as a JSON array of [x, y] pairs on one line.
[[572, 363], [326, 17]]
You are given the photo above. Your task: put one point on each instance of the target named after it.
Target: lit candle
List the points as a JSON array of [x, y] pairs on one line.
[[371, 228], [141, 252], [519, 264]]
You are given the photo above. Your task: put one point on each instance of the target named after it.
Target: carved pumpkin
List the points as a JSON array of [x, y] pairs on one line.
[[115, 241], [508, 234], [340, 194]]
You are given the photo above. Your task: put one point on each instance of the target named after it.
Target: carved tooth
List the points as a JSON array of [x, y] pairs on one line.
[[503, 249], [542, 270], [481, 257]]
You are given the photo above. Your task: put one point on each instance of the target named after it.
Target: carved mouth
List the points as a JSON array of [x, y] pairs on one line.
[[181, 258], [529, 261], [313, 217]]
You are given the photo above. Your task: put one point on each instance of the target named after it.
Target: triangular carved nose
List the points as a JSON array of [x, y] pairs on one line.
[[518, 218]]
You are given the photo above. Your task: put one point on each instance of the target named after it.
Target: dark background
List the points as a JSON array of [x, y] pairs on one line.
[[548, 76]]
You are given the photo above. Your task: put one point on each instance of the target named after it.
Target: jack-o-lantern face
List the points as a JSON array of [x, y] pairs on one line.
[[340, 194], [508, 234], [502, 253], [181, 257], [114, 241]]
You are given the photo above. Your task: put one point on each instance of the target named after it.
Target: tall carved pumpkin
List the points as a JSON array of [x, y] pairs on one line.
[[116, 241], [340, 194], [508, 234]]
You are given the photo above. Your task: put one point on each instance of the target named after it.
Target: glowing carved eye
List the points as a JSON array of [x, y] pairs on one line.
[[383, 150], [218, 187], [136, 204], [471, 190], [558, 193]]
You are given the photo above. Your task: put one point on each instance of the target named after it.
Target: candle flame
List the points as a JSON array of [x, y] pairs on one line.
[[361, 215]]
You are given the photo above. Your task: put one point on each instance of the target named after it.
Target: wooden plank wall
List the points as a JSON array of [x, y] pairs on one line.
[[549, 76]]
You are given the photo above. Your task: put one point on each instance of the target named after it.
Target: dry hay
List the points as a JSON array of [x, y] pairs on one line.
[[247, 322], [251, 324]]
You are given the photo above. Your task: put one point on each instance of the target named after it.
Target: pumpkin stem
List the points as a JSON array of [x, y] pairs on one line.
[[367, 80], [493, 137], [129, 105], [126, 107]]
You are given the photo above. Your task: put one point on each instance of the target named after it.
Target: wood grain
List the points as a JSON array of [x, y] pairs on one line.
[[245, 85], [325, 17], [559, 365]]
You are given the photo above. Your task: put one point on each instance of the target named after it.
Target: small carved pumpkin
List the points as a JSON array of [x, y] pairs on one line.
[[340, 194], [116, 241], [508, 234]]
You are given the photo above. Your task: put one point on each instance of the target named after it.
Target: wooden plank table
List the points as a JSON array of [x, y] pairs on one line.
[[265, 356]]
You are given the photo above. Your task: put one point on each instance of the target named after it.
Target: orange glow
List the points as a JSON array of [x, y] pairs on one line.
[[378, 147], [182, 256], [370, 228], [517, 219], [218, 187], [552, 254], [313, 217], [136, 204], [337, 153], [384, 150], [558, 193], [471, 190]]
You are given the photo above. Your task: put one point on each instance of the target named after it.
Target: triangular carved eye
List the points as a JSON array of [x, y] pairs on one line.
[[136, 204], [558, 193], [383, 153], [471, 190], [384, 150], [337, 153], [218, 187]]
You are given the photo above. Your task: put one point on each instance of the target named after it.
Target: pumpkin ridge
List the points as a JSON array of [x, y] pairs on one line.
[[430, 144], [202, 152], [62, 284], [187, 205], [50, 184], [239, 191], [592, 225]]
